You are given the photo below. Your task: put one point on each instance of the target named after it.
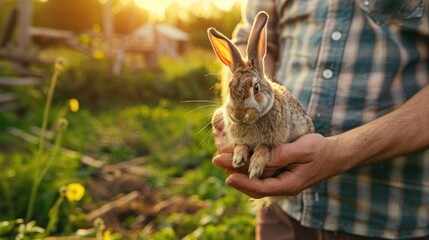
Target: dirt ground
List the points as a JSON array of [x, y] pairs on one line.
[[125, 196]]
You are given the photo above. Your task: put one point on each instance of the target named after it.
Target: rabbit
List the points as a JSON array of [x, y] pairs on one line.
[[258, 113]]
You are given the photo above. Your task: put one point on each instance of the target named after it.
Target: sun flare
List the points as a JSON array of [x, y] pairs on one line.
[[158, 7]]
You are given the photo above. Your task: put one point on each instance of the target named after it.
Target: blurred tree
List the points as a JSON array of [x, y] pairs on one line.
[[79, 15], [75, 15], [129, 18], [197, 19]]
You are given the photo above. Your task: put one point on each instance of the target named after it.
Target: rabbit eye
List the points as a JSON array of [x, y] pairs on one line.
[[256, 88]]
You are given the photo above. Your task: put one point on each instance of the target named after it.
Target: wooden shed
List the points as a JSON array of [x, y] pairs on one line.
[[162, 38], [151, 41]]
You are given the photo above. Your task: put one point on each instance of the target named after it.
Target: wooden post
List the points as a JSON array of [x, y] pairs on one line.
[[108, 29], [24, 39], [108, 22], [9, 27], [23, 31]]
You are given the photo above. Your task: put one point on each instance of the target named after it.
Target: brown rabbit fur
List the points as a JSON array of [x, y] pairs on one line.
[[258, 113]]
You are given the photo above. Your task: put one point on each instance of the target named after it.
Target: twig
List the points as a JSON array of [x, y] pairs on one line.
[[131, 166], [19, 81], [111, 205], [87, 160]]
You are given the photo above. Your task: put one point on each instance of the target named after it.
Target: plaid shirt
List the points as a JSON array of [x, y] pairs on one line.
[[349, 62]]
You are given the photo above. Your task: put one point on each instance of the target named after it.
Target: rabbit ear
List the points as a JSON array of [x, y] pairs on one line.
[[225, 50], [257, 47]]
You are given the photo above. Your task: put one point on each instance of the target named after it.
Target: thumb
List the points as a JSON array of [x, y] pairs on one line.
[[299, 151], [281, 156]]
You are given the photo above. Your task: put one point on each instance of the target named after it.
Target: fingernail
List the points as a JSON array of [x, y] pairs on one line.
[[217, 162], [229, 181]]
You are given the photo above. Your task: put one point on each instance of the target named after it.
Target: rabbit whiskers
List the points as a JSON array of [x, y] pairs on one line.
[[209, 104]]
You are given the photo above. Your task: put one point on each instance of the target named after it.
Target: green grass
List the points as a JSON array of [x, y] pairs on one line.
[[174, 134], [180, 145]]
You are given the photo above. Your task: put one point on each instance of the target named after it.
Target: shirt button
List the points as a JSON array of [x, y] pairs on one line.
[[327, 73], [336, 35]]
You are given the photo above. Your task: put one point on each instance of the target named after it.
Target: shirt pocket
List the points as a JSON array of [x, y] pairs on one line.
[[384, 11]]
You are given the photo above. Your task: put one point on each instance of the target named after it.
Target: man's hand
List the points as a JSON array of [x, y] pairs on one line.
[[307, 162]]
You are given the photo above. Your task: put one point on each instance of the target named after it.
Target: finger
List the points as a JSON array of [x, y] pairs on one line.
[[285, 154], [224, 162], [281, 156], [280, 186], [302, 150], [242, 183], [269, 172]]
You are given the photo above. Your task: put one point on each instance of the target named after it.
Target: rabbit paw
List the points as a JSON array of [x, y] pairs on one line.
[[256, 169], [257, 162], [241, 155]]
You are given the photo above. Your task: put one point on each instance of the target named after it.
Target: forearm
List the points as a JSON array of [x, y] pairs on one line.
[[403, 131]]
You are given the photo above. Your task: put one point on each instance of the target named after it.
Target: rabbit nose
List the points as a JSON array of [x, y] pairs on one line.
[[239, 115]]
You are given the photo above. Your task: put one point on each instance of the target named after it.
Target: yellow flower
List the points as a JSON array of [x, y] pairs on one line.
[[74, 104], [98, 54], [74, 192], [107, 235]]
